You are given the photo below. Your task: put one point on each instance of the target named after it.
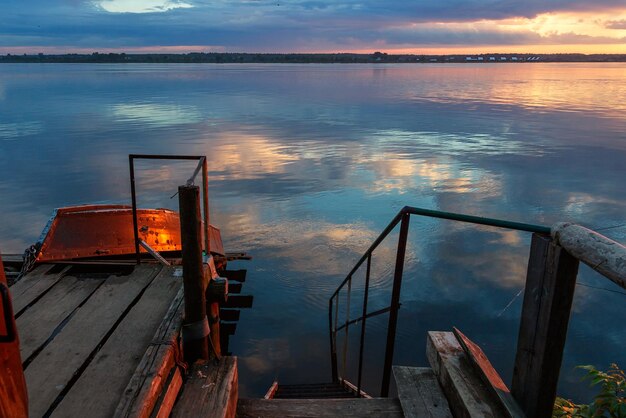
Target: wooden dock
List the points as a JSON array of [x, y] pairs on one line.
[[84, 331]]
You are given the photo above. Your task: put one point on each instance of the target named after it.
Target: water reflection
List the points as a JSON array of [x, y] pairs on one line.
[[157, 115], [309, 163]]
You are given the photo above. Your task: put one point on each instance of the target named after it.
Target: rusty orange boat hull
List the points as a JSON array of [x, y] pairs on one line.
[[107, 230]]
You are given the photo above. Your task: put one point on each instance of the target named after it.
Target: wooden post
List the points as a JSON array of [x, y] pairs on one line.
[[195, 324], [548, 296], [213, 308]]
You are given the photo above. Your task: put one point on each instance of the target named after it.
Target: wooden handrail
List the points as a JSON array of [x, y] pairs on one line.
[[600, 253]]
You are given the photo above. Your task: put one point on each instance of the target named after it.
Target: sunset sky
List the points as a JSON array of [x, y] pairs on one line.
[[392, 26]]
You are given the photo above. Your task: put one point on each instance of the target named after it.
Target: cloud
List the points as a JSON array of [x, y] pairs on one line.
[[320, 25], [616, 24], [141, 6]]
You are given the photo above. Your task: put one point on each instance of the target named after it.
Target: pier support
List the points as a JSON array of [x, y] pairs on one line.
[[195, 324], [548, 296]]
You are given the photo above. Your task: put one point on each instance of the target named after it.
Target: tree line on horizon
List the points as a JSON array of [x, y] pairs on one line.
[[304, 58]]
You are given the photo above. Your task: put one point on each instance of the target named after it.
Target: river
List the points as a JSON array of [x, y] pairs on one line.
[[307, 165]]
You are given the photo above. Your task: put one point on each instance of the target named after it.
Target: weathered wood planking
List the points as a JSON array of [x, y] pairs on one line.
[[54, 367], [302, 408], [146, 384], [548, 296], [489, 375], [33, 285], [171, 394], [466, 393], [114, 364], [211, 390], [40, 322], [419, 393]]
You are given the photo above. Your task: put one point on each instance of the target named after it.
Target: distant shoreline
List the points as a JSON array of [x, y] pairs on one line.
[[339, 58]]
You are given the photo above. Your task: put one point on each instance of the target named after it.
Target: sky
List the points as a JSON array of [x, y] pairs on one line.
[[364, 26]]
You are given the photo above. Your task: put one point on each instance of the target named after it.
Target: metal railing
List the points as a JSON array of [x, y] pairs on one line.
[[403, 217], [202, 164]]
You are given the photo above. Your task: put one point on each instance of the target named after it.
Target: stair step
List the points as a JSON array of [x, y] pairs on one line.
[[228, 328], [238, 301], [315, 395], [308, 390], [309, 408], [229, 314], [234, 288], [313, 391], [236, 275]]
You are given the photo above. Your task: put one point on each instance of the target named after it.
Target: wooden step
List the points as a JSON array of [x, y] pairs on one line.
[[229, 314], [210, 391], [235, 275], [419, 393], [234, 288], [312, 391], [290, 408], [238, 301], [228, 328]]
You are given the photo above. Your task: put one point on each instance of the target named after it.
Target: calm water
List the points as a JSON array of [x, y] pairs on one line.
[[308, 163]]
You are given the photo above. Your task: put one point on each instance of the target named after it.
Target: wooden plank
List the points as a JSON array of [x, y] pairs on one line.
[[229, 314], [467, 395], [211, 390], [489, 375], [234, 288], [314, 391], [228, 327], [235, 275], [39, 324], [52, 371], [303, 408], [354, 389], [271, 391], [171, 394], [550, 284], [32, 286], [115, 362], [238, 301], [419, 393], [146, 384]]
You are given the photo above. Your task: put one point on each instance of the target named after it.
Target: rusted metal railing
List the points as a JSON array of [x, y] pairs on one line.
[[550, 283], [202, 164]]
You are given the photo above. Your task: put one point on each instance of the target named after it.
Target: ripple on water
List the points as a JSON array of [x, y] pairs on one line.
[[13, 131]]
